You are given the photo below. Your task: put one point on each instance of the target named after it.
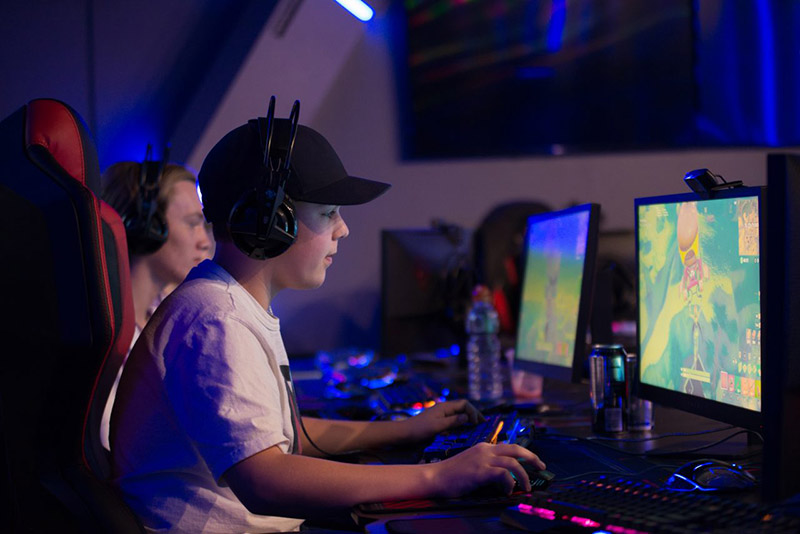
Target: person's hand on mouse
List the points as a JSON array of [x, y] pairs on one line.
[[440, 417], [484, 465]]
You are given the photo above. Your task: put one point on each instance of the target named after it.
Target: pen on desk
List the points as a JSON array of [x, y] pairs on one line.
[[497, 430]]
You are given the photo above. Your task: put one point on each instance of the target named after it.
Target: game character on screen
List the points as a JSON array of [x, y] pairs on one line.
[[206, 433], [691, 286]]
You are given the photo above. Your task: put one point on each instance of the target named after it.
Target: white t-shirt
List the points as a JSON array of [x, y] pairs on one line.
[[202, 390], [106, 419]]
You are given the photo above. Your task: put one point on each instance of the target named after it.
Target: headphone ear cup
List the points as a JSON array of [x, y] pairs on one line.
[[145, 235], [243, 227], [284, 229]]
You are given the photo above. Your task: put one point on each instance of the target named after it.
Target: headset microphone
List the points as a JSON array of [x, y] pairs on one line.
[[262, 223]]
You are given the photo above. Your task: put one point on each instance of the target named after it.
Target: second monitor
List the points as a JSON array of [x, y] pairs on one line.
[[556, 300]]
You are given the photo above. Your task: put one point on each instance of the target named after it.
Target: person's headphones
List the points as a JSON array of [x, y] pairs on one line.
[[146, 228], [262, 223]]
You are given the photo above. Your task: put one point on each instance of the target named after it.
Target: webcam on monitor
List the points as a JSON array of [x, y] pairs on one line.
[[705, 183]]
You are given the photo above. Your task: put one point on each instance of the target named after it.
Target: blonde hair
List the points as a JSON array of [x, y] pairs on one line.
[[121, 185]]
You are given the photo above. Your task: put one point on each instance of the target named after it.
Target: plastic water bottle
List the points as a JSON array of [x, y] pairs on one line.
[[485, 378]]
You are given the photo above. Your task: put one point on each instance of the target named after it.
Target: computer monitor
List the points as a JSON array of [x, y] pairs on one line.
[[426, 279], [556, 300], [699, 303], [781, 469]]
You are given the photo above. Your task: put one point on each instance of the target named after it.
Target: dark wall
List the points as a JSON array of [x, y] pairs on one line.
[[137, 71]]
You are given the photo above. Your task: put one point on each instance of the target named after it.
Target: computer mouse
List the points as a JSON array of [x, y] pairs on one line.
[[711, 475], [540, 478]]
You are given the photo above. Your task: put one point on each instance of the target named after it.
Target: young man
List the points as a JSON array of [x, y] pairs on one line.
[[205, 433]]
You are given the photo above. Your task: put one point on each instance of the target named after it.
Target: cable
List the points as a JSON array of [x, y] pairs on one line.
[[287, 377], [660, 436], [709, 445], [647, 454], [617, 473], [320, 449]]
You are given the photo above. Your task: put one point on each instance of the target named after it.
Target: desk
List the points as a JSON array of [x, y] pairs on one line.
[[564, 461], [568, 417]]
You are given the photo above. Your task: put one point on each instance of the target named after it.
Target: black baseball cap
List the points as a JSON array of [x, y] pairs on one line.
[[235, 165]]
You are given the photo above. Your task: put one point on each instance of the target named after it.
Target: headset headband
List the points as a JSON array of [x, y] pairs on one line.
[[145, 227], [278, 170], [150, 175], [262, 222]]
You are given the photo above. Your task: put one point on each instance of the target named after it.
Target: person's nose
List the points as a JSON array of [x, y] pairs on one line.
[[342, 231], [204, 239]]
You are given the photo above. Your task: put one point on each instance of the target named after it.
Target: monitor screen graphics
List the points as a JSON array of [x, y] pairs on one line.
[[556, 295], [699, 303]]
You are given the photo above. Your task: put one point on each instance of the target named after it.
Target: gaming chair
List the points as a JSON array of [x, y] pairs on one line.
[[66, 322]]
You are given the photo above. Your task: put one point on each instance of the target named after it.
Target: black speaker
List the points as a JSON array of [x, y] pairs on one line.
[[146, 228], [262, 223]]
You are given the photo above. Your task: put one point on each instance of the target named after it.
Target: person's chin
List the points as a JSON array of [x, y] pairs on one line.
[[314, 284]]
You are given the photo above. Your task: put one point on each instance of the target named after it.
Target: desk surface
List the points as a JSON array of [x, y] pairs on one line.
[[563, 414]]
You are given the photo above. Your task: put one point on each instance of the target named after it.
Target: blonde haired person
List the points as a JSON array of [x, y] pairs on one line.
[[164, 245]]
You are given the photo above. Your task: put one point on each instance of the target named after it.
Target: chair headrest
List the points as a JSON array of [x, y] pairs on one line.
[[62, 133]]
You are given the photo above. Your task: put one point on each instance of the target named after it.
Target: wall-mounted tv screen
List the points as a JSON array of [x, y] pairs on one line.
[[519, 77]]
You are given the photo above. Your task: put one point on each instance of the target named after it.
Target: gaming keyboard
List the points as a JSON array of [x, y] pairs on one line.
[[620, 504], [498, 428], [410, 397]]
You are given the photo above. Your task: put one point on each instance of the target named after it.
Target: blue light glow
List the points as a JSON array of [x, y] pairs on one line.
[[358, 9], [768, 88], [555, 32]]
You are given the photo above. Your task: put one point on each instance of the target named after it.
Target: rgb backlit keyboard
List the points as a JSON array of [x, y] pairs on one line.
[[630, 506]]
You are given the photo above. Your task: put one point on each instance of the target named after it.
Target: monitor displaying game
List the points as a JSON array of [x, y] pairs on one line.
[[699, 303], [557, 286]]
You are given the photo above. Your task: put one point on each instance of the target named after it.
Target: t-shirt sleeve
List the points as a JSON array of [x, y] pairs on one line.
[[226, 391]]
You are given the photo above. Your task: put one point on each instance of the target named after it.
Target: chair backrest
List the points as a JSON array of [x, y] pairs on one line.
[[63, 324]]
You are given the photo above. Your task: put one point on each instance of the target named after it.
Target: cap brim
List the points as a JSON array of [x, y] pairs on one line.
[[348, 191]]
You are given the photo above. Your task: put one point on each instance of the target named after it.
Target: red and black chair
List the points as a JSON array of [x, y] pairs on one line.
[[66, 321]]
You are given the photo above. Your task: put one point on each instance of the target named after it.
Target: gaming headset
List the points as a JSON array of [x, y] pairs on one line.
[[145, 227], [262, 224]]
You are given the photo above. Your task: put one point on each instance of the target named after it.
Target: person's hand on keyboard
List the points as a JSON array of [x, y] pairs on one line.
[[441, 417], [485, 465]]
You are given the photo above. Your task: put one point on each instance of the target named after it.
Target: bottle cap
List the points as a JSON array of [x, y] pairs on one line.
[[481, 293]]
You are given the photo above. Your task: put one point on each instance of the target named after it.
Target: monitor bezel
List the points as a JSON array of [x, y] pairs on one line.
[[712, 409], [574, 373], [781, 468]]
